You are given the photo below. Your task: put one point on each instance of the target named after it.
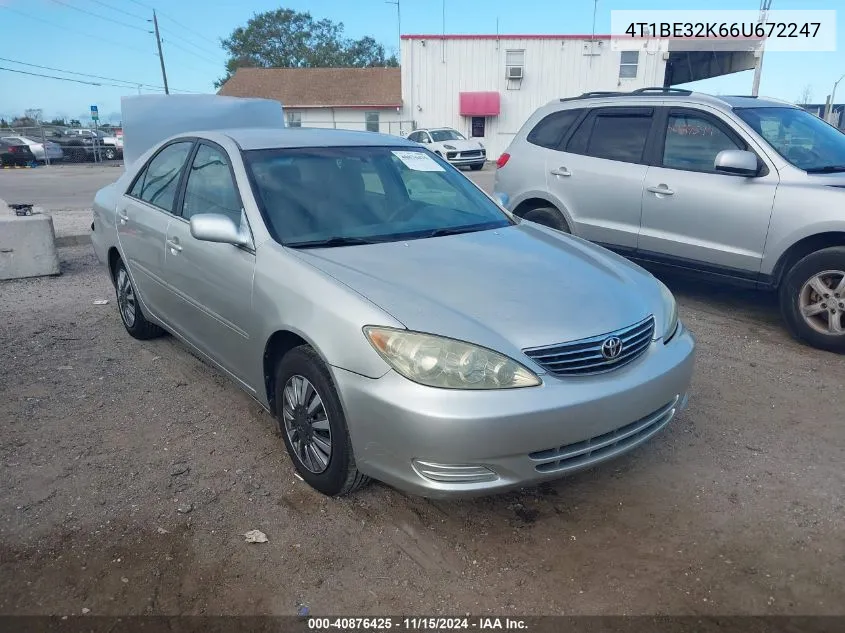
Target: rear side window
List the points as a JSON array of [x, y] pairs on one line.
[[550, 131], [158, 182], [613, 134]]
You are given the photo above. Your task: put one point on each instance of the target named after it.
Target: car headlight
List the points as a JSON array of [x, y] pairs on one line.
[[436, 361], [670, 312], [448, 147]]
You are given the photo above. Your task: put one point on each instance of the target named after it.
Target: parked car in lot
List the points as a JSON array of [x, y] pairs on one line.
[[13, 153], [53, 151], [111, 146], [77, 148], [452, 145], [741, 189], [398, 324]]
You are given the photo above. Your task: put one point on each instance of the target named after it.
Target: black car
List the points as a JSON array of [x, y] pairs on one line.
[[15, 154]]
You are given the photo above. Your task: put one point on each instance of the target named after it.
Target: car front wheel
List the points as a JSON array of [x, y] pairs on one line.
[[110, 153], [812, 299], [312, 424]]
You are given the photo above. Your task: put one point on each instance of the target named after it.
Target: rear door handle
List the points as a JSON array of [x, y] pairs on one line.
[[174, 246], [661, 189], [560, 171]]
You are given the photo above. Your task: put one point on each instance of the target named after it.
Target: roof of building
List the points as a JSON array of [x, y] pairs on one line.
[[319, 87], [287, 138]]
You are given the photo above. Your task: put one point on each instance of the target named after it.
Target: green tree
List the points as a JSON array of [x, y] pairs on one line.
[[292, 39], [58, 122], [75, 123]]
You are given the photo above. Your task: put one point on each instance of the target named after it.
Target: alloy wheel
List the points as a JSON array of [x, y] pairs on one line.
[[821, 302], [126, 297]]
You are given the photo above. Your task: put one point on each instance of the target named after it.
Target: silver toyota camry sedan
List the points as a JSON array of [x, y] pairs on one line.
[[395, 320]]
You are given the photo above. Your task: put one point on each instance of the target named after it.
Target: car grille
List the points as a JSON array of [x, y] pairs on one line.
[[471, 154], [585, 357], [604, 446]]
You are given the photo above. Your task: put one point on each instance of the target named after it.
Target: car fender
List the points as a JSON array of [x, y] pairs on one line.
[[549, 197]]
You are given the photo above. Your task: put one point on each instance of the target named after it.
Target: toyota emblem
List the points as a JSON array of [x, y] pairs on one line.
[[611, 347]]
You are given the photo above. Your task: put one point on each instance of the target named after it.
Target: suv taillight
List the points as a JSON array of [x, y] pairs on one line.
[[503, 160], [14, 149]]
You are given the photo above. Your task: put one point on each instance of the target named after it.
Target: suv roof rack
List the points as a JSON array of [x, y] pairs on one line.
[[638, 92]]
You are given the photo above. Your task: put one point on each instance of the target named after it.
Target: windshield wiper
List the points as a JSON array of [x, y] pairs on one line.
[[331, 241], [456, 231], [826, 169]]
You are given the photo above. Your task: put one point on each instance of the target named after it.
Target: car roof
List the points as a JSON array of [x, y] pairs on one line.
[[668, 95], [273, 138]]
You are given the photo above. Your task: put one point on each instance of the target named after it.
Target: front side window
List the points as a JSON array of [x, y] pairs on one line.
[[372, 121], [440, 136], [549, 132], [158, 182], [294, 119], [628, 63], [378, 194], [799, 137], [210, 188], [693, 142]]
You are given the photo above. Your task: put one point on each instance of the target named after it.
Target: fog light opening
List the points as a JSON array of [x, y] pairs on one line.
[[453, 473]]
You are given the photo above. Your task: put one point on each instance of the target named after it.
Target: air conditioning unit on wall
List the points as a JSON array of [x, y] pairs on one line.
[[514, 72]]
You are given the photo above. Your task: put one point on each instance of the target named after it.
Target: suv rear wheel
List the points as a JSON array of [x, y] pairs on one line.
[[812, 299], [548, 216]]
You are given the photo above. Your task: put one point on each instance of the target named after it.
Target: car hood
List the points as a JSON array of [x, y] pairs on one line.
[[508, 289], [461, 146]]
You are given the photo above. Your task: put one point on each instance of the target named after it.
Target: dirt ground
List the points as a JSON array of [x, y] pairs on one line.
[[131, 470]]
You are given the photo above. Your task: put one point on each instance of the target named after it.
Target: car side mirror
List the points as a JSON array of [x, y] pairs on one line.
[[215, 227], [736, 162]]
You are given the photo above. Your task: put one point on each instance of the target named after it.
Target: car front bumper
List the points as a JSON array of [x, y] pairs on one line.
[[445, 443], [459, 159]]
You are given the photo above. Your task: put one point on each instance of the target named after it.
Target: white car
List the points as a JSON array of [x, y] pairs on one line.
[[54, 151], [452, 145]]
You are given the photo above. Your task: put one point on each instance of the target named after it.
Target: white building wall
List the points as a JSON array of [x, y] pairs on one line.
[[390, 119], [435, 71]]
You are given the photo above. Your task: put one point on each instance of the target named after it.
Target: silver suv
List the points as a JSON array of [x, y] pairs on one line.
[[741, 189]]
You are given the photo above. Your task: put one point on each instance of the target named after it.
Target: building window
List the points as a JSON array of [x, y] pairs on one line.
[[294, 119], [515, 58], [477, 127], [628, 64], [371, 119]]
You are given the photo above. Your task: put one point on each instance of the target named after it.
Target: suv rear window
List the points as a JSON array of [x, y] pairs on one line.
[[614, 134], [550, 131]]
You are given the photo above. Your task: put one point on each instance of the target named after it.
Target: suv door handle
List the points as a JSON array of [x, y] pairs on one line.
[[560, 171], [661, 189], [174, 246]]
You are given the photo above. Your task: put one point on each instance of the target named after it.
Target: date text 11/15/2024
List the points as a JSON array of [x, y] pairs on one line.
[[416, 624]]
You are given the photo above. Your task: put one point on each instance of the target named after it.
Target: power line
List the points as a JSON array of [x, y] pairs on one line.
[[202, 49], [67, 29], [108, 6], [177, 23], [190, 52], [78, 81], [133, 84], [102, 17]]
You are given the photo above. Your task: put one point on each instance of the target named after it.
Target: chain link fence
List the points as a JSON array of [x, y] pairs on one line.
[[64, 147]]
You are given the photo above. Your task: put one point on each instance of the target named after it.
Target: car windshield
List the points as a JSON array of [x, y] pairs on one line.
[[800, 137], [446, 135], [334, 196]]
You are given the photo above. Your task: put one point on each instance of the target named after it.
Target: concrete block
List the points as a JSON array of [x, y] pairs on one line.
[[27, 246]]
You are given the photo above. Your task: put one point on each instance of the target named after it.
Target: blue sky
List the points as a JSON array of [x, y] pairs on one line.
[[63, 34]]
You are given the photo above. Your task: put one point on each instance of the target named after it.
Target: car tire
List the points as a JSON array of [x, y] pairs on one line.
[[477, 167], [548, 216], [298, 369], [812, 295], [129, 307], [110, 153]]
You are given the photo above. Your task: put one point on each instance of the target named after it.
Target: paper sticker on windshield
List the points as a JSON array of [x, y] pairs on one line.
[[418, 161]]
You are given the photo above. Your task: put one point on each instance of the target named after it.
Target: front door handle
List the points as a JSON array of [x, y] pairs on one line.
[[174, 246], [122, 216], [661, 189], [560, 171]]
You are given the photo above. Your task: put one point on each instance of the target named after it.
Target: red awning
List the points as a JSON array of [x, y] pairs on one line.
[[480, 103]]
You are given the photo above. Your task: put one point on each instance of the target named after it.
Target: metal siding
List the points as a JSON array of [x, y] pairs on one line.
[[553, 69]]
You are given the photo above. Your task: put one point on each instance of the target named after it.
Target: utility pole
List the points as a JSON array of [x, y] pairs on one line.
[[398, 18], [160, 56], [828, 107], [765, 5]]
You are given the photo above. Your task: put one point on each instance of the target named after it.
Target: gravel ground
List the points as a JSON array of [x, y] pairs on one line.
[[132, 470]]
